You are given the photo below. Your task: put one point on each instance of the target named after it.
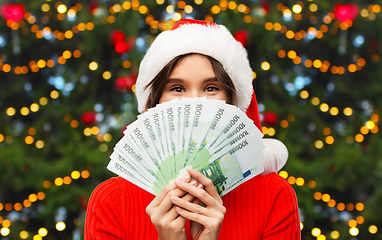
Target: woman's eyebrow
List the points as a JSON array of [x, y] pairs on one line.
[[179, 80], [212, 79], [175, 80]]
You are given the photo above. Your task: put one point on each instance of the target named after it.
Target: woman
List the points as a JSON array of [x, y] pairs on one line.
[[197, 59]]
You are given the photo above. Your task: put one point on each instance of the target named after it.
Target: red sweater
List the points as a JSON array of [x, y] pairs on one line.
[[264, 207]]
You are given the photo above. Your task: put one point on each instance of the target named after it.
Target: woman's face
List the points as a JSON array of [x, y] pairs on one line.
[[193, 77]]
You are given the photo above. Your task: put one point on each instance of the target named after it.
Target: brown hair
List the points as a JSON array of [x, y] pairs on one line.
[[159, 82]]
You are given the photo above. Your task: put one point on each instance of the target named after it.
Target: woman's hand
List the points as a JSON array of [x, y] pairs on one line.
[[205, 221], [161, 210]]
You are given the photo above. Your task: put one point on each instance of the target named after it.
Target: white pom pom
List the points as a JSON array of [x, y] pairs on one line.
[[276, 155]]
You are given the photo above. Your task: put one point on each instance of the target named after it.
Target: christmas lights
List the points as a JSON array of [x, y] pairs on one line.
[[249, 15]]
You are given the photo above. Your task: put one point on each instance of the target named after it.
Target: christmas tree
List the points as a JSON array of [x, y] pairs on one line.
[[67, 75]]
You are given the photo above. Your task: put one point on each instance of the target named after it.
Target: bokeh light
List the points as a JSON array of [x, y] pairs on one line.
[[4, 231], [60, 226], [373, 229], [354, 231], [24, 234], [316, 232]]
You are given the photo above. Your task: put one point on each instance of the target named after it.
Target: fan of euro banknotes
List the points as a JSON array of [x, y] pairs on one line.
[[210, 136]]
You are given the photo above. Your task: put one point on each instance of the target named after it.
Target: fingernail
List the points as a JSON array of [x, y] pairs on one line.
[[178, 182], [191, 170], [175, 198], [179, 209], [193, 182], [186, 177], [200, 185]]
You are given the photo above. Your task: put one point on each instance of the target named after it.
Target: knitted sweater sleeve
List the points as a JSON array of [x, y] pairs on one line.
[[103, 220], [264, 207], [283, 219]]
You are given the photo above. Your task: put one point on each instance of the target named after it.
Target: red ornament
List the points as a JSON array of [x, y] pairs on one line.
[[265, 6], [93, 7], [89, 118], [122, 47], [124, 83], [117, 36], [269, 118], [345, 12], [14, 12], [242, 37]]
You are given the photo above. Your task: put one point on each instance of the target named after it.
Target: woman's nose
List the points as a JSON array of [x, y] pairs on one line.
[[193, 93]]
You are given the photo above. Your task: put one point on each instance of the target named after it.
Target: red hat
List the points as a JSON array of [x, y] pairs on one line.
[[211, 39], [193, 36]]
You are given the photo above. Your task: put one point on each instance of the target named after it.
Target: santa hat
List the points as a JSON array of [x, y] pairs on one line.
[[211, 39]]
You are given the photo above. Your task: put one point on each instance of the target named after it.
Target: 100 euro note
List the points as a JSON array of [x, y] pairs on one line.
[[203, 114], [165, 145], [231, 150], [121, 166], [235, 167], [164, 132], [151, 121], [134, 134], [159, 127], [218, 136], [134, 148]]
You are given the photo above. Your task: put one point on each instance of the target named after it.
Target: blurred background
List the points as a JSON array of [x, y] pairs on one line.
[[67, 75]]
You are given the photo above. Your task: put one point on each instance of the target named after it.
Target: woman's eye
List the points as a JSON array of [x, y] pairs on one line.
[[177, 89], [211, 89]]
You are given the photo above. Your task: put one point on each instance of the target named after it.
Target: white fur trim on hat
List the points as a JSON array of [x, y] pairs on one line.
[[276, 155], [212, 40]]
